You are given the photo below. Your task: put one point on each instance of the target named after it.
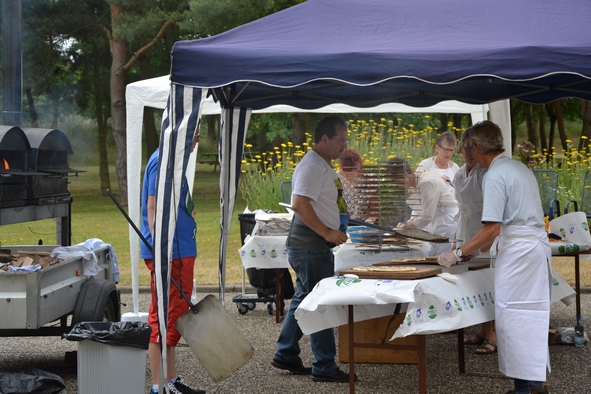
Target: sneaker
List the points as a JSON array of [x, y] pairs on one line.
[[296, 366], [180, 387], [153, 392], [335, 375]]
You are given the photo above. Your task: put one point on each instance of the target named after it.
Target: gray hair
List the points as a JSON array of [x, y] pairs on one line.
[[446, 136], [487, 136]]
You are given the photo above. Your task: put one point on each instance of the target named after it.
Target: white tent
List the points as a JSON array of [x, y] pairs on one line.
[[154, 93]]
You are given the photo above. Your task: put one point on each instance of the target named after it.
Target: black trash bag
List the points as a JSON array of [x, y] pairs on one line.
[[30, 381], [126, 333], [264, 281]]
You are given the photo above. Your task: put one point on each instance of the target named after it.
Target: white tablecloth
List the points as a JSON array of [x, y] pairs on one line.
[[434, 305], [266, 251], [270, 252], [350, 255]]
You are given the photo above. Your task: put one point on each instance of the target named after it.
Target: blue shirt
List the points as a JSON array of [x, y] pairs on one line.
[[184, 237]]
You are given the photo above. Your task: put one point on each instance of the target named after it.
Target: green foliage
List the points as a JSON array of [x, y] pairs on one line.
[[376, 141], [263, 174], [270, 126], [379, 140], [210, 17]]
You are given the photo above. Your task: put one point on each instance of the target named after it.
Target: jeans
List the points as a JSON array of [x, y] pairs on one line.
[[310, 266], [525, 386]]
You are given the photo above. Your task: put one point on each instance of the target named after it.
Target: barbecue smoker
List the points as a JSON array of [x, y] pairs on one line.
[[34, 174], [34, 171]]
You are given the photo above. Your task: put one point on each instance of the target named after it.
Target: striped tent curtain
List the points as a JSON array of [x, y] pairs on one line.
[[178, 127], [231, 146], [179, 122]]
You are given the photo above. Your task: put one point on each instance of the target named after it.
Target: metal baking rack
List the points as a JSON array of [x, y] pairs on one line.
[[382, 194]]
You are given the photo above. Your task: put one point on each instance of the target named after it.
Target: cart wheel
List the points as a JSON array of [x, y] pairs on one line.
[[270, 309], [242, 309], [251, 306]]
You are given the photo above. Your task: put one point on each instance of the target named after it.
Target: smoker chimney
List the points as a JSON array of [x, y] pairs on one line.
[[12, 62]]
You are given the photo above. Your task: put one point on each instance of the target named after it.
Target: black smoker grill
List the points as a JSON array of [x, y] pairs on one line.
[[49, 163], [14, 156], [34, 171]]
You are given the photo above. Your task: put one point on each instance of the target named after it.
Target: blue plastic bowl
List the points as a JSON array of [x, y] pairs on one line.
[[363, 234]]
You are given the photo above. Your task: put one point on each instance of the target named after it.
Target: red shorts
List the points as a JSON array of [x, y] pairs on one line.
[[177, 304]]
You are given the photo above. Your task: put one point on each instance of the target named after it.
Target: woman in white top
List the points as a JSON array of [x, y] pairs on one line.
[[433, 203], [441, 164]]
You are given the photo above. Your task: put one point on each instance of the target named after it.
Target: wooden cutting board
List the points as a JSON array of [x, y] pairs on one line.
[[419, 273]]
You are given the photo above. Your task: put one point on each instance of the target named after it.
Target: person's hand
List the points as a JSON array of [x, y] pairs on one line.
[[336, 237], [406, 225], [453, 246], [447, 259]]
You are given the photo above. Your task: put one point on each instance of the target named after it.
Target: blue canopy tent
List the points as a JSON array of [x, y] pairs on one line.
[[367, 52]]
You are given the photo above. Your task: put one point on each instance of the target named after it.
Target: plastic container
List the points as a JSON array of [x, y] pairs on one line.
[[247, 223], [111, 356], [363, 234]]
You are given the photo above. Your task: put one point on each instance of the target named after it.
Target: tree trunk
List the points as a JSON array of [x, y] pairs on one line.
[[516, 107], [152, 140], [443, 120], [117, 87], [560, 123], [301, 123], [102, 130], [542, 129], [32, 111], [552, 115], [213, 127], [586, 129], [531, 128], [458, 122], [150, 132]]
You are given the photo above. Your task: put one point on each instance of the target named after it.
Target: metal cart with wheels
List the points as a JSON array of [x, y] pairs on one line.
[[263, 280]]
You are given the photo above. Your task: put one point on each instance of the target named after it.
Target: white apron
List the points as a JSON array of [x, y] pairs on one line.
[[522, 302], [449, 172], [466, 228], [443, 224]]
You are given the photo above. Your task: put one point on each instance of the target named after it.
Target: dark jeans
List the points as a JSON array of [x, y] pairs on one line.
[[310, 266], [525, 386]]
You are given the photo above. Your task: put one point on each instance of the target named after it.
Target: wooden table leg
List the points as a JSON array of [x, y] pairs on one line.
[[461, 354], [422, 350], [351, 352], [279, 304], [578, 287]]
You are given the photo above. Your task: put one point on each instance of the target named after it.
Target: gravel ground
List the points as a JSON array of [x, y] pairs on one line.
[[571, 369]]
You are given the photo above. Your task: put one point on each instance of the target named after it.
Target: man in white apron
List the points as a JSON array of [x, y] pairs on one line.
[[512, 211]]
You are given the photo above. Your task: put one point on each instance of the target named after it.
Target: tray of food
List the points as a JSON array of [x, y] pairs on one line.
[[391, 272], [421, 235], [410, 260]]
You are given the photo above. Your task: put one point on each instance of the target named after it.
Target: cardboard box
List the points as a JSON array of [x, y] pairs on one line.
[[374, 331]]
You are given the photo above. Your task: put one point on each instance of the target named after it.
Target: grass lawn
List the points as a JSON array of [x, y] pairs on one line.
[[96, 216]]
